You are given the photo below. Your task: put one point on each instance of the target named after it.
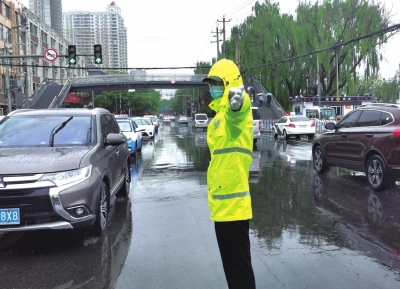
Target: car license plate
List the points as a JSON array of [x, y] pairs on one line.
[[302, 126], [9, 216]]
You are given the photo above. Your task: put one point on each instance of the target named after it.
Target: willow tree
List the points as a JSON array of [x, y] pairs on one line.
[[282, 50]]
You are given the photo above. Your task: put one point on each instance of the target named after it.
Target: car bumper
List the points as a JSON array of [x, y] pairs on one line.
[[45, 206], [257, 135], [132, 147], [300, 131]]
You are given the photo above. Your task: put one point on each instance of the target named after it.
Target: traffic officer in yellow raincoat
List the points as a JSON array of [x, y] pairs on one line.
[[230, 140]]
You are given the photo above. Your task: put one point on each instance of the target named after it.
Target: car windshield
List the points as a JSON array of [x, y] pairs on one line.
[[328, 113], [201, 117], [299, 118], [36, 130], [141, 121], [124, 125]]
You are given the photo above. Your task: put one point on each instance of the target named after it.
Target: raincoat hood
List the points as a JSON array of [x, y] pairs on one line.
[[226, 70]]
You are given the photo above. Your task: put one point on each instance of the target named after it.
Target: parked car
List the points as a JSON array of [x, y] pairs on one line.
[[200, 120], [256, 124], [154, 120], [167, 119], [294, 125], [61, 168], [366, 140], [145, 126], [183, 120], [133, 134]]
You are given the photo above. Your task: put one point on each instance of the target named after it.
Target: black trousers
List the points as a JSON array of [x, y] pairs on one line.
[[234, 247]]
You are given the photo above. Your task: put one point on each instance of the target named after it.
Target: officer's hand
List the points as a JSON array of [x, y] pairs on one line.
[[236, 97]]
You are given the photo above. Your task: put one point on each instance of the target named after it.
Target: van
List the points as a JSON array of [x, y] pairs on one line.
[[256, 124], [200, 120]]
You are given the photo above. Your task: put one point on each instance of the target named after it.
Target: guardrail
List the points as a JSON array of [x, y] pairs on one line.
[[59, 99], [268, 124]]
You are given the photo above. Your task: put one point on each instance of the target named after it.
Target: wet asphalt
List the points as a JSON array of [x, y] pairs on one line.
[[308, 231]]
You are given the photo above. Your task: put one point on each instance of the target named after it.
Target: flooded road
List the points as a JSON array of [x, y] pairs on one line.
[[308, 231]]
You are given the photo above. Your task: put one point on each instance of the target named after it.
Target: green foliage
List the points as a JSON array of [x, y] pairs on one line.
[[138, 103], [270, 36]]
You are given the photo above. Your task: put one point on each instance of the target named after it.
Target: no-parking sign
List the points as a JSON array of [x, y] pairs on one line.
[[50, 54]]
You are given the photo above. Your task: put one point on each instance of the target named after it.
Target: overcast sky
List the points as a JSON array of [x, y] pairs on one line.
[[177, 33]]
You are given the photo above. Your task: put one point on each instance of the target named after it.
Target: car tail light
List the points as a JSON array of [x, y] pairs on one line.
[[396, 132], [312, 124], [291, 125], [259, 125]]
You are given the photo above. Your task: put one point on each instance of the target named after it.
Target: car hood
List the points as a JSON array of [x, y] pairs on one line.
[[132, 135], [34, 160]]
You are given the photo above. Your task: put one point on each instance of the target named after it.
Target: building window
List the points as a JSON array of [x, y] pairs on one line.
[[33, 29], [8, 35], [7, 11], [1, 30]]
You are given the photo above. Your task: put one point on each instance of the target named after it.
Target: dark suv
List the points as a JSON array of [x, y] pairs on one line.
[[60, 169], [367, 139]]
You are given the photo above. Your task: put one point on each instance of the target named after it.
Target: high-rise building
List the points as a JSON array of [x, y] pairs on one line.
[[50, 11], [84, 29]]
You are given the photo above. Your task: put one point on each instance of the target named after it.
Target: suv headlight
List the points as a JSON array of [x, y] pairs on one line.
[[67, 177]]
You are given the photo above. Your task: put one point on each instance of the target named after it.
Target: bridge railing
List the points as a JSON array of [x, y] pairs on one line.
[[129, 77]]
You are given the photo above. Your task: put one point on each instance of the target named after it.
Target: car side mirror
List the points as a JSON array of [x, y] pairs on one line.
[[330, 125], [114, 139]]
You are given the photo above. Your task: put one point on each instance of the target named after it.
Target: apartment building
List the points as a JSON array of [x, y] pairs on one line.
[[84, 29], [50, 11], [22, 33]]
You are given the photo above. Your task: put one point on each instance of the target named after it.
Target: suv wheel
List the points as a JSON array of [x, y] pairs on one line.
[[376, 172], [319, 161], [127, 183], [138, 149], [275, 134], [100, 223]]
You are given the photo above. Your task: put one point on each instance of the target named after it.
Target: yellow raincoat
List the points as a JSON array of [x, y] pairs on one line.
[[230, 139]]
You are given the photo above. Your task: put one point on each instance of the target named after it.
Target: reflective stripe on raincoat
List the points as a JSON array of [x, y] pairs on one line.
[[230, 139]]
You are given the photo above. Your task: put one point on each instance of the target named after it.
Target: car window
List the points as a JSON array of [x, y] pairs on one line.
[[256, 115], [124, 125], [386, 118], [350, 119], [203, 117], [369, 118], [134, 125], [146, 122], [36, 130], [113, 126], [299, 118], [282, 120]]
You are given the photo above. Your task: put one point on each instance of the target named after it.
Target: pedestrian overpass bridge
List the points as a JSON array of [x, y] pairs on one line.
[[50, 94]]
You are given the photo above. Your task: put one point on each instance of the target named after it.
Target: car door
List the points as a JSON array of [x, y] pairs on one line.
[[335, 142], [360, 138], [280, 124]]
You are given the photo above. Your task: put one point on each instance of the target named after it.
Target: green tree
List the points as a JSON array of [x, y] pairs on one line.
[[270, 36]]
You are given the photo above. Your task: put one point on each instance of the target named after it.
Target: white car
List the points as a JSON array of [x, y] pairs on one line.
[[183, 120], [200, 120], [154, 120], [294, 125], [167, 119], [145, 126]]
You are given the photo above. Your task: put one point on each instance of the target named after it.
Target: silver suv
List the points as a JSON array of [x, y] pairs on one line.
[[60, 169]]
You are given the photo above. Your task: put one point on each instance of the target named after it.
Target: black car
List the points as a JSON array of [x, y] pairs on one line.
[[60, 168], [367, 139]]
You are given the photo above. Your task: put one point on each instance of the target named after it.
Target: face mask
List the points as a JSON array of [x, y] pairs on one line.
[[217, 91]]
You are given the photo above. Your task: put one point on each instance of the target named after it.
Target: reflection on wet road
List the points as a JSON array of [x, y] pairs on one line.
[[308, 230]]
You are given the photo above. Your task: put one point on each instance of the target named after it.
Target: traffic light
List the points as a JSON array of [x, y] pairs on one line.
[[72, 54], [98, 57]]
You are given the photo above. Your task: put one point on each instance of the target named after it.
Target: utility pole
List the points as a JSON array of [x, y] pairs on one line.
[[217, 35], [237, 50], [223, 31], [7, 84], [318, 86]]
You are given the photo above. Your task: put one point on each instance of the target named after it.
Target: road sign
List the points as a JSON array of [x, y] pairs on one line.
[[50, 54]]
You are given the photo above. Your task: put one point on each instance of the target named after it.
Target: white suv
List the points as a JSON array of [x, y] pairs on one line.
[[200, 120], [256, 124]]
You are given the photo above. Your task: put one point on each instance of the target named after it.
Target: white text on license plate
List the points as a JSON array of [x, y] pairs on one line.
[[9, 216]]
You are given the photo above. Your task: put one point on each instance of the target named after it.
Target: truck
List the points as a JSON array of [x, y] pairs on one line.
[[322, 113]]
